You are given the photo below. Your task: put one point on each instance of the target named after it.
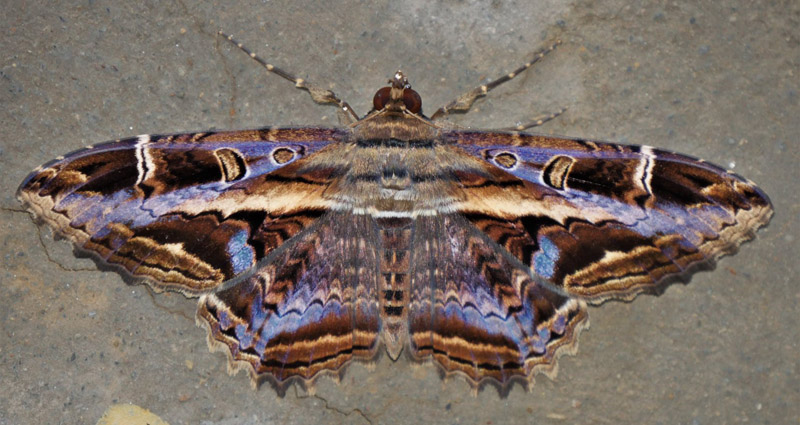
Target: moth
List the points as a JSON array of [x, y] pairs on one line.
[[312, 247]]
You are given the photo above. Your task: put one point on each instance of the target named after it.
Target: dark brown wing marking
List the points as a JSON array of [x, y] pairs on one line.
[[189, 211], [311, 307], [477, 313], [602, 220]]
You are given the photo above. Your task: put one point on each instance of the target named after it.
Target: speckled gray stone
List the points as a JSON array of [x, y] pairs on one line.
[[687, 76]]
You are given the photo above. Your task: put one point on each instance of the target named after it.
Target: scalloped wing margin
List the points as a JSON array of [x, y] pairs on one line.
[[185, 212], [308, 311], [602, 220], [478, 314]]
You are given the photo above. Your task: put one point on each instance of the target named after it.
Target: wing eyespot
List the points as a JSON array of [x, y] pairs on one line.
[[506, 160], [283, 155], [231, 163], [556, 171]]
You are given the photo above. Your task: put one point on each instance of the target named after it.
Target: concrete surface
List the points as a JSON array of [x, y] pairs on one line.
[[717, 80]]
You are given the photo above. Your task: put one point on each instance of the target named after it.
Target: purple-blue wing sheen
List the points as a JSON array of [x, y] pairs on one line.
[[186, 212], [599, 220]]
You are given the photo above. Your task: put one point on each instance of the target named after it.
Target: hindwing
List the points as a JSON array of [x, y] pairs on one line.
[[309, 247], [311, 306], [477, 311]]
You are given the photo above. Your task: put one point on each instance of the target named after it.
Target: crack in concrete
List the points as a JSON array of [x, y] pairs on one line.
[[233, 99], [328, 406], [52, 260], [14, 210], [44, 246], [153, 297]]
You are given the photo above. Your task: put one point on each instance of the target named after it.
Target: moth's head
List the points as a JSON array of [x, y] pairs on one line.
[[398, 96]]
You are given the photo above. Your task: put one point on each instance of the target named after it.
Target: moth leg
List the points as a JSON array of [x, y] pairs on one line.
[[464, 102], [535, 122], [318, 94]]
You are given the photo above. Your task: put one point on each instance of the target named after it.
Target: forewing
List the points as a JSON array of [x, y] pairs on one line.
[[187, 211], [602, 220], [311, 307], [479, 313]]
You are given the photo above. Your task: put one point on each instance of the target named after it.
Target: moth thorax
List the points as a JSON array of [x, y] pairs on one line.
[[395, 175]]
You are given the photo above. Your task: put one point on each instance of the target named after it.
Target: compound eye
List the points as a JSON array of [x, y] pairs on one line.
[[382, 97], [412, 100]]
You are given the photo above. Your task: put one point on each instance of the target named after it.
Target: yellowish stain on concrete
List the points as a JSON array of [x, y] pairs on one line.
[[129, 414]]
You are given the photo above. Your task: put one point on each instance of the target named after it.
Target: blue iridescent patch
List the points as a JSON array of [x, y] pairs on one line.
[[244, 336], [241, 253], [544, 262]]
